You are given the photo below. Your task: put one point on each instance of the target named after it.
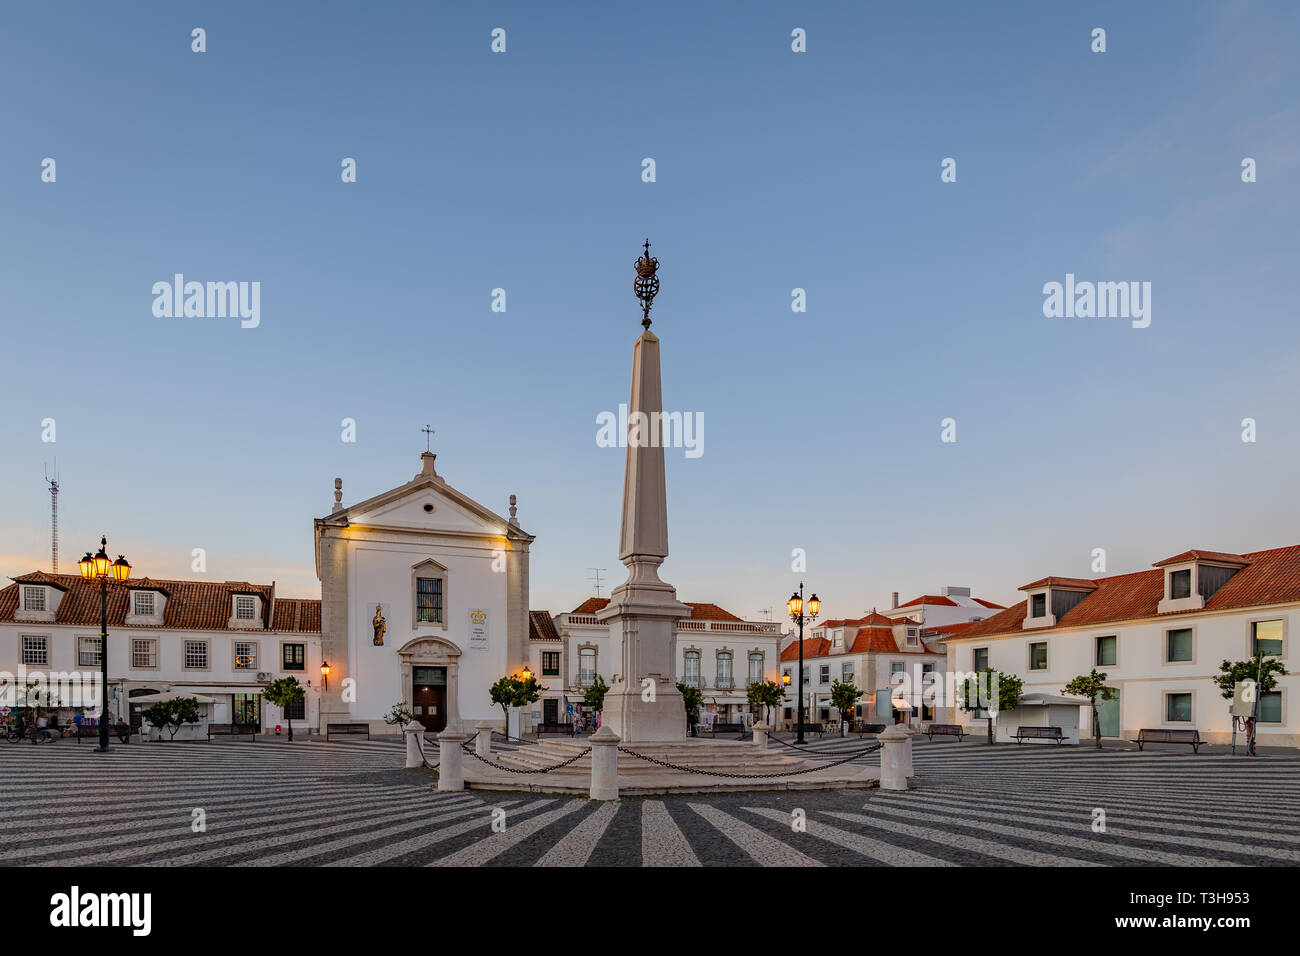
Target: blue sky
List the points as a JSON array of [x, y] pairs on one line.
[[775, 170]]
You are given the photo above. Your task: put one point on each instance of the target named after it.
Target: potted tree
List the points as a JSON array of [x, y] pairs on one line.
[[282, 693]]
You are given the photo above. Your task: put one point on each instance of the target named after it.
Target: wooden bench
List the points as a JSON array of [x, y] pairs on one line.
[[870, 728], [347, 730], [1152, 735], [122, 730], [555, 728], [727, 729], [232, 730], [1038, 733], [944, 730], [808, 728]]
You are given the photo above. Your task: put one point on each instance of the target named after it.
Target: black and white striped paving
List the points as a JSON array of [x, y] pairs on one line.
[[349, 803]]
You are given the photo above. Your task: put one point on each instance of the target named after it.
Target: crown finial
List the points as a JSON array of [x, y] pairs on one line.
[[646, 284]]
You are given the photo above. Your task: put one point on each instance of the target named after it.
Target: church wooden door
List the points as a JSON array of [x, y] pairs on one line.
[[429, 697]]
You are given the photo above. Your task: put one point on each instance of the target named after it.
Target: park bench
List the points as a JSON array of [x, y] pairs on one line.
[[556, 727], [347, 730], [945, 730], [719, 728], [809, 729], [121, 729], [1151, 735], [233, 730], [1038, 733], [870, 728]]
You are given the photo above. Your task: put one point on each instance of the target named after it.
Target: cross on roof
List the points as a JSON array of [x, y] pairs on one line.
[[428, 437]]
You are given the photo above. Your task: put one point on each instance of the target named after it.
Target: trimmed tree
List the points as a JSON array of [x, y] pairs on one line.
[[594, 696], [693, 699], [1263, 670], [399, 715], [172, 714], [765, 694], [1092, 686], [282, 693], [512, 691], [844, 698], [990, 686]]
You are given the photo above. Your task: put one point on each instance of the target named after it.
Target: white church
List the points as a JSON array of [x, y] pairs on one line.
[[424, 600]]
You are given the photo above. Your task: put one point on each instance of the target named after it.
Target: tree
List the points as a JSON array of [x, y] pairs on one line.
[[1264, 672], [844, 698], [282, 693], [595, 694], [35, 700], [693, 699], [514, 691], [1092, 686], [399, 716], [765, 694], [172, 714], [990, 687]]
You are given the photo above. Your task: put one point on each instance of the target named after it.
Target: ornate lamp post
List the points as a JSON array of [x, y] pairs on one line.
[[98, 568], [797, 615], [325, 673]]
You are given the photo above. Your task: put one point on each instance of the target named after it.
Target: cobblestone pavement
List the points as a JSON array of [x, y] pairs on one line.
[[347, 803]]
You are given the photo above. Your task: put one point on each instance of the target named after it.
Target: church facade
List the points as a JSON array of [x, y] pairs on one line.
[[424, 601]]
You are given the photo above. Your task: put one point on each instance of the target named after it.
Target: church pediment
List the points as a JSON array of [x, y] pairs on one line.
[[429, 648]]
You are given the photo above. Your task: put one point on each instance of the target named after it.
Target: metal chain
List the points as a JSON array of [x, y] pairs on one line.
[[870, 748], [740, 776], [493, 763], [419, 743]]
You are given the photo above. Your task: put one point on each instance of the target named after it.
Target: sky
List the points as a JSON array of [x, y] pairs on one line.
[[774, 171]]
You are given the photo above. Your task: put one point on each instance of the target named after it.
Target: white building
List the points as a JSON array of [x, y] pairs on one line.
[[716, 651], [224, 640], [1158, 635]]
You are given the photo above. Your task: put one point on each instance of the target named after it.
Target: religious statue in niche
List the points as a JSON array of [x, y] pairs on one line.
[[380, 624]]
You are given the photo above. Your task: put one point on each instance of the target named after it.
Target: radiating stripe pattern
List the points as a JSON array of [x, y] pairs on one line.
[[350, 803]]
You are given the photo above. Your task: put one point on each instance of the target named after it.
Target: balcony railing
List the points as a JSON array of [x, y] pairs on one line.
[[724, 683], [692, 680], [586, 678]]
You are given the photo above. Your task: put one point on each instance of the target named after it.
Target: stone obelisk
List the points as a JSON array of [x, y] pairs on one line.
[[643, 704]]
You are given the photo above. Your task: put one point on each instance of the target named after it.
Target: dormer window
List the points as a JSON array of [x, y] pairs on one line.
[[1180, 584], [245, 607], [142, 603], [1038, 605], [33, 598], [911, 637]]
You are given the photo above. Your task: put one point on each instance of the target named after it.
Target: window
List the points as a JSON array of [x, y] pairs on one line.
[[1270, 707], [1266, 638], [1107, 650], [88, 651], [807, 673], [838, 639], [428, 600], [293, 657], [1038, 656], [1038, 605], [927, 670], [911, 637], [724, 669], [1180, 584], [245, 607], [196, 655], [144, 652], [245, 655], [296, 710], [1178, 645], [586, 665], [550, 663], [896, 672], [36, 650], [755, 668], [846, 673], [825, 673], [1178, 708], [142, 603], [979, 659], [33, 599], [692, 666]]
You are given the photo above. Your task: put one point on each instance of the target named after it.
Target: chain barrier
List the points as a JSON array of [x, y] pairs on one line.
[[419, 743], [743, 776], [493, 763], [870, 748]]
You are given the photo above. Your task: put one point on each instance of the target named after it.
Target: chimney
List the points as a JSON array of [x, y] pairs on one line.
[[427, 459], [338, 494], [952, 592], [894, 600]]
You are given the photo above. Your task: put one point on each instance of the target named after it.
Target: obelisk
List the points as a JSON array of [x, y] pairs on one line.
[[643, 704]]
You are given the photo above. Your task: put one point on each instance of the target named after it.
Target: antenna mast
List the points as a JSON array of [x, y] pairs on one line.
[[54, 515], [596, 577]]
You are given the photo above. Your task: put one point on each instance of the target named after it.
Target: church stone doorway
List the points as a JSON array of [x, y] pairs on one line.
[[429, 697]]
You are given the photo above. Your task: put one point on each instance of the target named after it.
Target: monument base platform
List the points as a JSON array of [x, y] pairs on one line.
[[713, 767]]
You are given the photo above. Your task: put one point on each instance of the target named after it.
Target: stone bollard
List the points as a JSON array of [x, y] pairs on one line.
[[604, 764], [414, 753], [451, 769], [895, 758], [483, 742], [761, 730]]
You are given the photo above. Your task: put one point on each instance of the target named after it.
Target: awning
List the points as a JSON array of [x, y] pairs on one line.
[[172, 695], [192, 689], [900, 703]]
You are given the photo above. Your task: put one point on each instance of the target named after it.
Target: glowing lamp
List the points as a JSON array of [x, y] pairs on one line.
[[121, 569]]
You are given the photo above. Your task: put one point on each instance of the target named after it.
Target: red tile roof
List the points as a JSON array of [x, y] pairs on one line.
[[812, 647], [874, 639], [1270, 577], [1220, 556], [943, 629], [934, 600], [541, 626], [699, 612], [1078, 584], [192, 605], [990, 604]]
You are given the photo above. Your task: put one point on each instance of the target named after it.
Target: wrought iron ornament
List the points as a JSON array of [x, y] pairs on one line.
[[646, 285]]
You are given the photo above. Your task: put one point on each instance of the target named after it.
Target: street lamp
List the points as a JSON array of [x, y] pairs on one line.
[[797, 615], [99, 568], [325, 673]]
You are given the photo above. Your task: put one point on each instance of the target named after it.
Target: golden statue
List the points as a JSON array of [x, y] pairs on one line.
[[380, 625]]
